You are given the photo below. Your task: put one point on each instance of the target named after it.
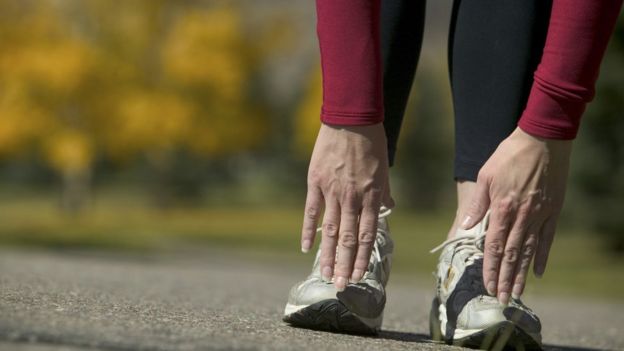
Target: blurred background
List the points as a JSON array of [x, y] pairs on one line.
[[162, 125]]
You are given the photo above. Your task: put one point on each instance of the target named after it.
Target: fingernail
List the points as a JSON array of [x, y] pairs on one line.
[[326, 273], [517, 291], [491, 288], [341, 283], [539, 273], [503, 298], [356, 276], [466, 221], [305, 246]]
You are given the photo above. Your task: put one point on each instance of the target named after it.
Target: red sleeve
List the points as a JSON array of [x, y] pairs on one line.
[[348, 32], [564, 81]]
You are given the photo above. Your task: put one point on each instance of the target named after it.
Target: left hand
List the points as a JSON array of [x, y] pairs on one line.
[[523, 184]]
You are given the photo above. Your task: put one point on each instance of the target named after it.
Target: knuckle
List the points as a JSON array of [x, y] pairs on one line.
[[505, 206], [312, 212], [330, 230], [528, 250], [538, 207], [495, 247], [348, 240], [511, 255], [366, 237]]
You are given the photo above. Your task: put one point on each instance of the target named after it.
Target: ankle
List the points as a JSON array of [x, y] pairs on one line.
[[465, 190]]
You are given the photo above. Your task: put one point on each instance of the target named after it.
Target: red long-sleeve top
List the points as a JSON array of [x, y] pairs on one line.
[[564, 81]]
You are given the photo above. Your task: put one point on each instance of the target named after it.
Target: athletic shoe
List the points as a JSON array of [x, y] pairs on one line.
[[463, 313], [316, 304]]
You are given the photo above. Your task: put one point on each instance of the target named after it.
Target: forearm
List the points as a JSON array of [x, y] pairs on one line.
[[564, 82], [348, 32]]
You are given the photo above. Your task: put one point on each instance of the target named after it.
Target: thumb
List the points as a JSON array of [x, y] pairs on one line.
[[479, 205]]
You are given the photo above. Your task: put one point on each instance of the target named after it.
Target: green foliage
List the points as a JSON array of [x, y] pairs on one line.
[[598, 172], [424, 162]]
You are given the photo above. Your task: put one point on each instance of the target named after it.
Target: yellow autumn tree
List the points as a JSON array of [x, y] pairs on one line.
[[207, 54], [307, 119], [127, 81], [43, 67]]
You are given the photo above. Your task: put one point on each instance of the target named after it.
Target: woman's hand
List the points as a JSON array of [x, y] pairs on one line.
[[348, 177], [523, 183]]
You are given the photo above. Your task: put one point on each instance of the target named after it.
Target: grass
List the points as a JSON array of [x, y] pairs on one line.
[[578, 264]]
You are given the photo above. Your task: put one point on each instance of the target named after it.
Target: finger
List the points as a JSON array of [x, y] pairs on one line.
[[347, 239], [313, 207], [495, 238], [367, 234], [526, 255], [544, 242], [511, 254], [331, 223], [479, 205]]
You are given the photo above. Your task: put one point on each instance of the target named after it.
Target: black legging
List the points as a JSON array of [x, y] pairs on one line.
[[494, 48]]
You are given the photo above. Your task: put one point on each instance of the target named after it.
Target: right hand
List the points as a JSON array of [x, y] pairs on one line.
[[348, 177]]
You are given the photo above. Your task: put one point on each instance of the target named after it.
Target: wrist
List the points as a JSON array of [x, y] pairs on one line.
[[556, 146], [353, 127], [374, 132]]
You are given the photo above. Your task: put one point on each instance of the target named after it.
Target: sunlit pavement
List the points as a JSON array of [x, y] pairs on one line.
[[203, 301]]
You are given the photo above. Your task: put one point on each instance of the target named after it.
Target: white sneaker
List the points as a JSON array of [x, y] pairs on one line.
[[463, 313], [316, 304]]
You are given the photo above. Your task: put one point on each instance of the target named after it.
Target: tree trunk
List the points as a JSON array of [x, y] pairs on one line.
[[75, 192]]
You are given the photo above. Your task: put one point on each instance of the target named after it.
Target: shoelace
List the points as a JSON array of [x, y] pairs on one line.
[[380, 240], [467, 243], [471, 244]]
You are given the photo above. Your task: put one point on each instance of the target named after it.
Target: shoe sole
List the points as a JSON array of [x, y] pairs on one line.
[[329, 315], [496, 337]]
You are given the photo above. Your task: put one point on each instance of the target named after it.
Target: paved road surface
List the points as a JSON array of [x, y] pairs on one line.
[[73, 301]]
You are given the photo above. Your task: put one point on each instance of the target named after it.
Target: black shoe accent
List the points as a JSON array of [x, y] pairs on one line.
[[329, 315], [360, 299], [469, 286]]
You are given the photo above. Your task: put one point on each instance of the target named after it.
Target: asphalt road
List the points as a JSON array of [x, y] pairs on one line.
[[77, 301]]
